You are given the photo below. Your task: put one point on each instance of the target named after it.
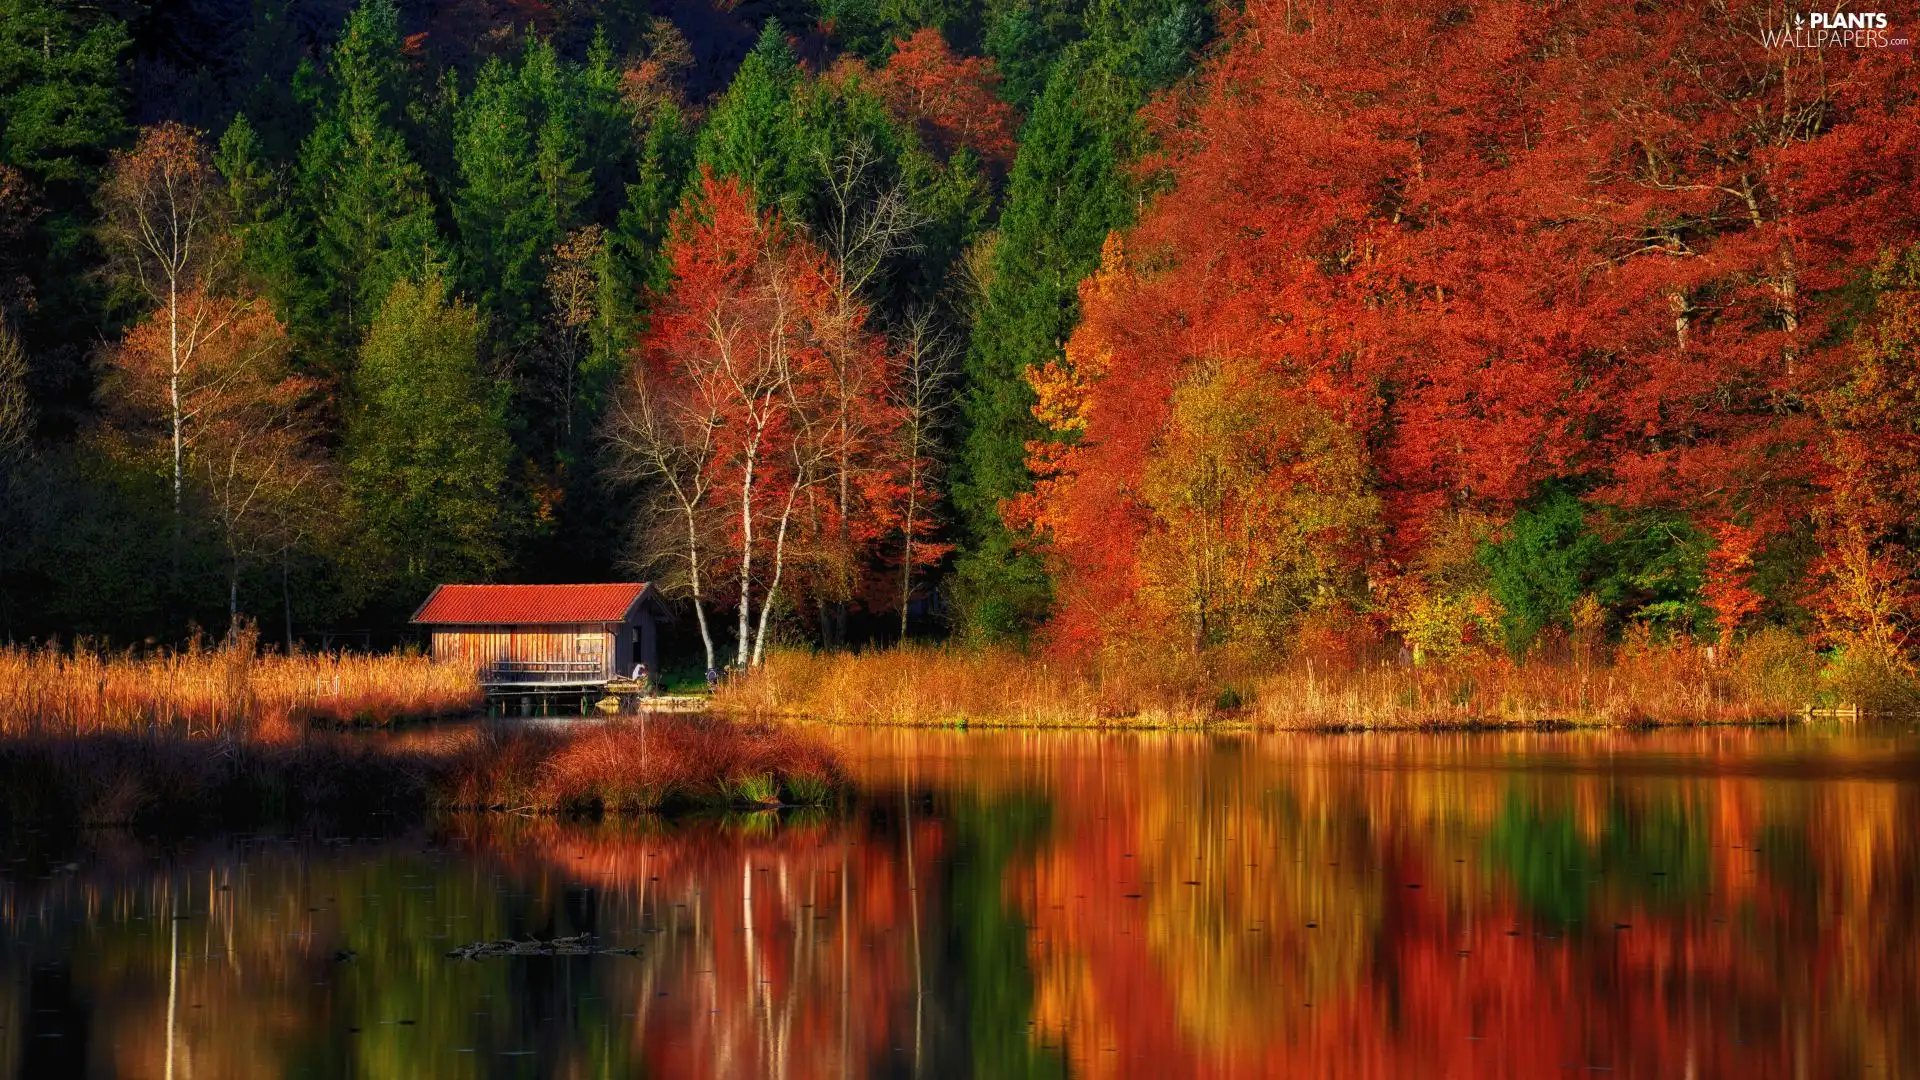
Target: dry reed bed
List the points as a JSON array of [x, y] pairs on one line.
[[999, 687], [221, 689], [621, 766], [637, 766]]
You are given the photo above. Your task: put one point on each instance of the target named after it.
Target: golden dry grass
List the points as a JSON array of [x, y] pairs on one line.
[[933, 685], [224, 689], [923, 685]]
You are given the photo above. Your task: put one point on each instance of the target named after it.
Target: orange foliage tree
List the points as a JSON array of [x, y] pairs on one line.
[[952, 100], [206, 384], [1870, 584], [164, 209]]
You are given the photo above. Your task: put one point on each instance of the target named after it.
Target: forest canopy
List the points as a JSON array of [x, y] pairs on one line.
[[1464, 328]]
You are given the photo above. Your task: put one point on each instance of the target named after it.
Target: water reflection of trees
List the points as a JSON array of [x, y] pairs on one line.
[[767, 948], [1041, 907], [1704, 903]]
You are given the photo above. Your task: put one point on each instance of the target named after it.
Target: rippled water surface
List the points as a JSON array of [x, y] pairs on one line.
[[1721, 903]]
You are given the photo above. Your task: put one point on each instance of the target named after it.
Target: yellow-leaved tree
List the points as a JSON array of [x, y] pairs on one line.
[[1262, 508]]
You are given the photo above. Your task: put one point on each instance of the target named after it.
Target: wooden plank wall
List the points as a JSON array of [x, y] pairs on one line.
[[481, 647]]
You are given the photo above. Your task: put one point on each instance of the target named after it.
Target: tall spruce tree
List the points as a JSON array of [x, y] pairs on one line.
[[606, 125], [1024, 38], [666, 164], [265, 229], [1147, 43], [1068, 189], [61, 111], [497, 205], [525, 181], [749, 134], [870, 27], [372, 222]]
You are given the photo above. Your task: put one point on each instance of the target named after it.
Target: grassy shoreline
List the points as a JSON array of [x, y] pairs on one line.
[[227, 735], [1770, 681]]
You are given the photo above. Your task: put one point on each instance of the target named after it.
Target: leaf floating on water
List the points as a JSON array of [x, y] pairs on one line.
[[577, 945]]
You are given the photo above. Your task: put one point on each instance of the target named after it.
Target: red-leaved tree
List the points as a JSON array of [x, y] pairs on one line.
[[1503, 245], [952, 100], [759, 412]]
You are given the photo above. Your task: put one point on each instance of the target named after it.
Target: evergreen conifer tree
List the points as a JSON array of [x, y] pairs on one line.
[[749, 133], [60, 97], [372, 220], [666, 163], [1067, 191], [265, 230], [520, 152]]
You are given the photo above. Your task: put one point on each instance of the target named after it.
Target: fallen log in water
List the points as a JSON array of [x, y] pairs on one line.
[[577, 945]]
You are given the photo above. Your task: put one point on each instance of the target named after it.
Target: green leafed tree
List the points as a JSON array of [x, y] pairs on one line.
[[427, 445], [871, 27], [1150, 43], [1068, 189], [606, 124], [1543, 561], [1147, 43], [61, 113], [497, 204], [526, 178], [1025, 37]]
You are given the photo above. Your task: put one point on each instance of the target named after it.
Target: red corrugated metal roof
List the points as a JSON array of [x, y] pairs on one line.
[[529, 605]]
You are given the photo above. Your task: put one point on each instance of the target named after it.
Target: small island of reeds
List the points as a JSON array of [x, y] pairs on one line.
[[226, 735]]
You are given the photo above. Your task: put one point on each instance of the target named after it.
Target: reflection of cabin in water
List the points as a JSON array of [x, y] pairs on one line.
[[532, 636]]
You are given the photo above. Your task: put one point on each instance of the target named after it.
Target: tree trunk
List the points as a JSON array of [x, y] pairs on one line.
[[286, 599], [173, 395], [836, 613], [741, 653], [773, 587], [179, 441], [693, 573], [906, 553]]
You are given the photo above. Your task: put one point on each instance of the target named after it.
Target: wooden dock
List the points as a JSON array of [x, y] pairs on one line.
[[633, 697], [608, 696]]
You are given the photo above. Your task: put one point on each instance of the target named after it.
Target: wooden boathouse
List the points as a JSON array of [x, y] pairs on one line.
[[538, 638]]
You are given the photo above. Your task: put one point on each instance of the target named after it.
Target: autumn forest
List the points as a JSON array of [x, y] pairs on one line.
[[1116, 328]]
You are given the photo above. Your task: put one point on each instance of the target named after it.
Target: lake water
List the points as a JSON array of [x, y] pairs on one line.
[[1704, 903]]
